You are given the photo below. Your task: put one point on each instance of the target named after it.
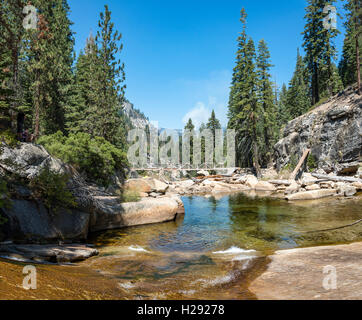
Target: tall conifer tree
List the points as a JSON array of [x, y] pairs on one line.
[[11, 30], [49, 62], [320, 49], [244, 111], [298, 101], [283, 111], [350, 66], [213, 124], [103, 116], [267, 101]]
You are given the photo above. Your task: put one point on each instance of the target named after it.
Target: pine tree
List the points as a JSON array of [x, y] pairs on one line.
[[11, 30], [297, 99], [266, 99], [283, 111], [86, 89], [350, 66], [191, 128], [213, 124], [50, 57], [103, 114], [320, 49], [244, 112], [5, 91]]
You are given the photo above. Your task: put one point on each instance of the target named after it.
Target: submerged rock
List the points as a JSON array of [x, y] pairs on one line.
[[47, 253]]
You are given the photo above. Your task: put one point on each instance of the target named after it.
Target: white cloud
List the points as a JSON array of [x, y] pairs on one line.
[[200, 114], [212, 93]]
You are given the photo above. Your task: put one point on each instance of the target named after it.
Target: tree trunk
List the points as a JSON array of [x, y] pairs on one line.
[[37, 107], [316, 83], [300, 165], [338, 179], [37, 114], [256, 164]]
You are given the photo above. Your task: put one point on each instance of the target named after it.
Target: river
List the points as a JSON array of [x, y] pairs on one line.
[[213, 252]]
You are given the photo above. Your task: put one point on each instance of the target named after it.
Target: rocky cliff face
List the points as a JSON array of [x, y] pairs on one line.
[[333, 132], [138, 119]]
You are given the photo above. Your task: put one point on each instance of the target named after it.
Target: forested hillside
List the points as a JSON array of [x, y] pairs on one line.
[[70, 102], [258, 110]]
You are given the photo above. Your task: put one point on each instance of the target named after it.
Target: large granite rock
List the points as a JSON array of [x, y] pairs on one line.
[[146, 186], [28, 220], [332, 131], [312, 195], [32, 221], [265, 186], [138, 185], [303, 274], [27, 160], [115, 215]]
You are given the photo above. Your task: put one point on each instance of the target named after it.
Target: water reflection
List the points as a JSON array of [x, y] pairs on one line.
[[258, 223], [212, 253]]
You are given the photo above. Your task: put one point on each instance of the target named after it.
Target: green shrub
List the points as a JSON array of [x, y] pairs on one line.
[[129, 196], [293, 161], [51, 188], [95, 157], [312, 162], [9, 138]]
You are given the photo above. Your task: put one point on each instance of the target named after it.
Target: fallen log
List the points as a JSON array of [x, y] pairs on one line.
[[301, 164], [335, 178]]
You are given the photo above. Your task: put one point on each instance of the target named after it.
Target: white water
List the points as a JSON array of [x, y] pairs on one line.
[[137, 249], [234, 251]]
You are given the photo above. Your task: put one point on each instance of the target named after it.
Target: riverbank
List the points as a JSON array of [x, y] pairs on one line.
[[305, 274], [309, 187]]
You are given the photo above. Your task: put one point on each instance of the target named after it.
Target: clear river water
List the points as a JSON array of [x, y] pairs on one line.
[[213, 252]]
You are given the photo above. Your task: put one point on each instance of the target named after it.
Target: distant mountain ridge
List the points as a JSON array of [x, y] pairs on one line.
[[137, 118]]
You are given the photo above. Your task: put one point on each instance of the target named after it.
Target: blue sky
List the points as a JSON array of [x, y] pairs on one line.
[[179, 54]]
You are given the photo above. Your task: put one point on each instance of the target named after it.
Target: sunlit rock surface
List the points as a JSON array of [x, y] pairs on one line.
[[332, 131]]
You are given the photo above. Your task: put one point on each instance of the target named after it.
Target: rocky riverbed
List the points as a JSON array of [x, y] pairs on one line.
[[309, 187]]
